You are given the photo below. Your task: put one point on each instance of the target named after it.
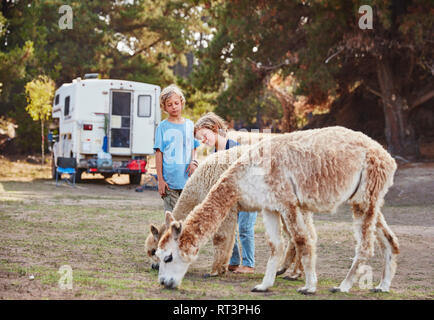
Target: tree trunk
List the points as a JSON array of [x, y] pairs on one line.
[[289, 122], [42, 141], [259, 123], [400, 134]]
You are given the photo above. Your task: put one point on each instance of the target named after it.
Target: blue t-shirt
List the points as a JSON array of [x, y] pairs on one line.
[[176, 142], [229, 144]]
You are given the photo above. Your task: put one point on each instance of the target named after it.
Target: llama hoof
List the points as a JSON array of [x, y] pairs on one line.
[[377, 290], [335, 289], [291, 278], [305, 291], [155, 266], [281, 271], [259, 288]]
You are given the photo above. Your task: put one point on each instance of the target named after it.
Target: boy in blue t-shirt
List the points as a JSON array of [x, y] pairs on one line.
[[175, 147]]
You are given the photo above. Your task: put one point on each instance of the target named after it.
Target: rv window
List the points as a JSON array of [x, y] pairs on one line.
[[125, 122], [120, 138], [56, 102], [121, 103], [144, 107], [66, 111]]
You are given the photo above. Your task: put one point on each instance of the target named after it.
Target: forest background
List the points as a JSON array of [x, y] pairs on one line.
[[279, 65]]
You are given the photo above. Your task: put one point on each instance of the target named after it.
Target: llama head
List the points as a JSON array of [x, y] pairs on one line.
[[151, 244], [173, 262]]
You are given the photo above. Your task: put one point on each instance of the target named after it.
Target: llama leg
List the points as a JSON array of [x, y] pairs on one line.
[[297, 272], [376, 179], [390, 246], [290, 252], [364, 227], [223, 242], [272, 229], [301, 230], [288, 259]]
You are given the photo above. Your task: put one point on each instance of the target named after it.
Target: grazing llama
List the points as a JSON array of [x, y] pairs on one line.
[[195, 191], [291, 176]]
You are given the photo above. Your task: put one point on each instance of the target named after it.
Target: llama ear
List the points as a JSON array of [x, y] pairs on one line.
[[154, 231], [169, 218], [176, 227]]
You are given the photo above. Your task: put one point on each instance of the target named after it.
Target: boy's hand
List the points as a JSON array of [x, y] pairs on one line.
[[192, 167], [162, 185]]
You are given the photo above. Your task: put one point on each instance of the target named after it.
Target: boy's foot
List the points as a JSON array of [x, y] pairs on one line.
[[233, 267], [244, 269]]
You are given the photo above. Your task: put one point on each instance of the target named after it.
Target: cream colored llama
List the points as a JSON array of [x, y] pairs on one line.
[[291, 176], [195, 191]]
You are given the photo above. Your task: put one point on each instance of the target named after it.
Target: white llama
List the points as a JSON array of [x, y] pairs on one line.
[[291, 176], [195, 191]]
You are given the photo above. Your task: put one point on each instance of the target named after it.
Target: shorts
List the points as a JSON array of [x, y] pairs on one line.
[[170, 199]]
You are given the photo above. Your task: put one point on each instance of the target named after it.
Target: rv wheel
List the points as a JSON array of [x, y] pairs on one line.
[[135, 178]]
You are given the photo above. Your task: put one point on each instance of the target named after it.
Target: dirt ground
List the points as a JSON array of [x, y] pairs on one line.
[[99, 228]]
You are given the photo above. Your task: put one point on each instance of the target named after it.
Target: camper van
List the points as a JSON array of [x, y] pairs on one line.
[[107, 125]]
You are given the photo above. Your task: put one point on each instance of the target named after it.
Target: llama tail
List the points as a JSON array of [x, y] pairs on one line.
[[376, 179]]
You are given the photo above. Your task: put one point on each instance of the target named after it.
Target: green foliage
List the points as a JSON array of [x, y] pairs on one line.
[[198, 102], [12, 64], [135, 40], [250, 35], [28, 133], [40, 93], [256, 38], [238, 46]]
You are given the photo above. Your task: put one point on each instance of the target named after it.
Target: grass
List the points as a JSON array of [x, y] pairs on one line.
[[105, 250], [101, 235]]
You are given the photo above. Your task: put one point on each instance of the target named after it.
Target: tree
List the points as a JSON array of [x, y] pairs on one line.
[[320, 44], [12, 63], [40, 93], [393, 60], [135, 40], [254, 40]]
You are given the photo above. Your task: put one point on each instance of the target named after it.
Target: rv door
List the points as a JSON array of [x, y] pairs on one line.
[[144, 109], [120, 122]]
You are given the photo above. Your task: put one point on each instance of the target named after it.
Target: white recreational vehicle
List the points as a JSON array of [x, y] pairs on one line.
[[107, 125]]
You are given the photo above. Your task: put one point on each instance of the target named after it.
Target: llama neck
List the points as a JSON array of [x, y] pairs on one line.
[[185, 204], [206, 218]]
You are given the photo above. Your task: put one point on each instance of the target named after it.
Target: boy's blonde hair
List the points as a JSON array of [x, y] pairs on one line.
[[212, 122], [169, 91]]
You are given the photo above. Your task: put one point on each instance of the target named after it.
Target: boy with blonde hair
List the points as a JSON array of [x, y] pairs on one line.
[[175, 147]]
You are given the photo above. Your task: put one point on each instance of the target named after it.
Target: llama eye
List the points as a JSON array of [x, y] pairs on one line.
[[153, 252], [168, 259]]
